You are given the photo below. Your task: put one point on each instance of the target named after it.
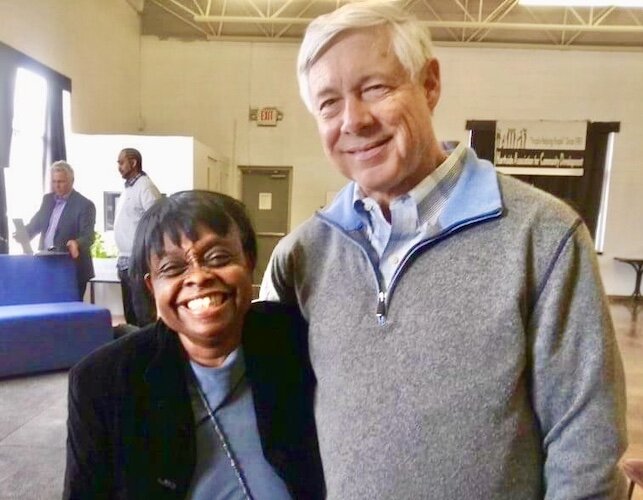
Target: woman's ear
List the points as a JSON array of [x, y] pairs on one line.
[[148, 283], [250, 263]]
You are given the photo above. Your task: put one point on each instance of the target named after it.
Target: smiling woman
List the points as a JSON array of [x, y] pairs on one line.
[[215, 399], [200, 271]]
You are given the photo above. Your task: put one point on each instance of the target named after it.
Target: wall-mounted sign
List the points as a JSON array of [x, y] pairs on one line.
[[540, 147], [265, 201], [267, 117]]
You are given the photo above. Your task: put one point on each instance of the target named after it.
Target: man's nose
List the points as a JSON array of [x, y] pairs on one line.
[[356, 116]]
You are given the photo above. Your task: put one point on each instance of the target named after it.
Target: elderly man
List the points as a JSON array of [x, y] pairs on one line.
[[459, 332], [65, 221]]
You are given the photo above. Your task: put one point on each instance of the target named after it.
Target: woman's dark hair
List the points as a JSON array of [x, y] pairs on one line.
[[183, 213]]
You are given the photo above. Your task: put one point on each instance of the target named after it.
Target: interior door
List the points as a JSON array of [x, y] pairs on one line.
[[266, 194]]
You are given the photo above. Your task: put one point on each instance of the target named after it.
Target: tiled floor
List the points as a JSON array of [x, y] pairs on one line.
[[33, 412], [32, 436], [630, 340]]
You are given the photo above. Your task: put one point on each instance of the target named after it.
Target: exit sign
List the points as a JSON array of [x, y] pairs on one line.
[[267, 117]]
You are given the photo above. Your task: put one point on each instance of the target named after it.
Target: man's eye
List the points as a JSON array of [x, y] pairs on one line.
[[328, 106], [375, 90]]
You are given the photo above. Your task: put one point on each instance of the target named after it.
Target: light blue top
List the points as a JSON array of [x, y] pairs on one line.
[[230, 398], [414, 215]]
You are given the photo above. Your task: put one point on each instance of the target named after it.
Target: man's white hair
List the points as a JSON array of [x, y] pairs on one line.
[[411, 41], [62, 166]]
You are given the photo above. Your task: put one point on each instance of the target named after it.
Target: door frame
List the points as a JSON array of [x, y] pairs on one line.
[[266, 169]]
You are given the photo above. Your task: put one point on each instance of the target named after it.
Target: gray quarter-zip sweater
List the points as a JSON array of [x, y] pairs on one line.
[[488, 369]]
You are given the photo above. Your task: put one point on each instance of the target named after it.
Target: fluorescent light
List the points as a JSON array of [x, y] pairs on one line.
[[583, 3]]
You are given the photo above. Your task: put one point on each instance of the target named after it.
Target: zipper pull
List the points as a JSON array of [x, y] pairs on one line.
[[381, 308]]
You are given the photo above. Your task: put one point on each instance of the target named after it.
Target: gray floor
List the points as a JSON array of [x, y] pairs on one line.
[[33, 415]]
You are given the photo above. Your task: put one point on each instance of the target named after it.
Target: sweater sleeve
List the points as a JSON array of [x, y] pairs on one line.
[[277, 284], [577, 377]]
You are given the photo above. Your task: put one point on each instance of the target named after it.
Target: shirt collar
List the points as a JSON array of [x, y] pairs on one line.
[[420, 192], [449, 168], [61, 199], [132, 181]]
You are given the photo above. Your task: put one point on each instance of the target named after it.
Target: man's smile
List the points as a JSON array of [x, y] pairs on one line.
[[368, 151]]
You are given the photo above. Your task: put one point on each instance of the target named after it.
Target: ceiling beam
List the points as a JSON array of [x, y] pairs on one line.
[[600, 28], [186, 21]]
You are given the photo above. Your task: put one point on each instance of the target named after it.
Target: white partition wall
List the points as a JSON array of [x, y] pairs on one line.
[[174, 163]]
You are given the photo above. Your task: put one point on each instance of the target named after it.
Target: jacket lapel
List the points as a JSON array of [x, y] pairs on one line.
[[172, 433], [276, 384]]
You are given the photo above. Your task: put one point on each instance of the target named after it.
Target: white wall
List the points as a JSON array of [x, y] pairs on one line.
[[210, 98], [169, 162], [210, 168], [561, 85], [218, 82], [93, 42]]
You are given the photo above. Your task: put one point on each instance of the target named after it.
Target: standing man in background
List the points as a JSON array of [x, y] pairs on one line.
[[140, 194], [459, 331], [65, 221]]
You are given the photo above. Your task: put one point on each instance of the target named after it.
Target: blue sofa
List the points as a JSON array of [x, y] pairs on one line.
[[43, 323]]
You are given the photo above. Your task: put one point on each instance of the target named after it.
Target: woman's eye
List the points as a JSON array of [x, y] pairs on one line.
[[171, 269], [217, 259]]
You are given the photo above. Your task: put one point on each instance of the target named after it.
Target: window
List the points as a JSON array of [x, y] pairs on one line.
[[26, 179]]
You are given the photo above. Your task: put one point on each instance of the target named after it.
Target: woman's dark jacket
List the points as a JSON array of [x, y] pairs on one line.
[[131, 431]]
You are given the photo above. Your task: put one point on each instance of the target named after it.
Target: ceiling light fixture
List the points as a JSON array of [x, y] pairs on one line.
[[583, 3]]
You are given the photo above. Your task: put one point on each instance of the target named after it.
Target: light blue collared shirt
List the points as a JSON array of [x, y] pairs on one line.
[[414, 215]]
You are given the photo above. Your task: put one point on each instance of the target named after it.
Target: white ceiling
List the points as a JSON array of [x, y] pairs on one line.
[[452, 22]]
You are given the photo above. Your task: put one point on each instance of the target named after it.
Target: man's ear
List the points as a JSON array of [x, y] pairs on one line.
[[430, 81]]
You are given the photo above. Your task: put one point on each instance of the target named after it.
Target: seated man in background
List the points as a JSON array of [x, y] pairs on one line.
[[65, 221], [214, 400]]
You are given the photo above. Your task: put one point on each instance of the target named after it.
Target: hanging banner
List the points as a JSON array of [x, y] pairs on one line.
[[540, 147]]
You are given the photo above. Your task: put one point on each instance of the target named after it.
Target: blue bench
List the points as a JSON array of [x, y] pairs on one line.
[[43, 323]]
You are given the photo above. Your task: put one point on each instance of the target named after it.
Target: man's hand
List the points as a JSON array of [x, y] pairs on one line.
[[72, 246]]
